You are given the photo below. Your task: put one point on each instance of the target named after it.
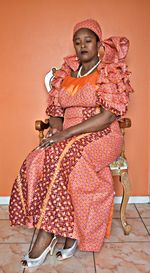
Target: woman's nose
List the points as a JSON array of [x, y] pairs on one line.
[[82, 45]]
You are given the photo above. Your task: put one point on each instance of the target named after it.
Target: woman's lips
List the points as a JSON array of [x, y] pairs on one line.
[[84, 52]]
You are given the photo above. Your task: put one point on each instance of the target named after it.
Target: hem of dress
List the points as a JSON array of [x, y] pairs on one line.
[[90, 249], [46, 230]]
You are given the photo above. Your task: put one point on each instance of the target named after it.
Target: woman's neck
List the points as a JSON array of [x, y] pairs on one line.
[[86, 66]]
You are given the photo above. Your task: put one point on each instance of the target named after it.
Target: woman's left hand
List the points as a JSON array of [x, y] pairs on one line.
[[57, 137]]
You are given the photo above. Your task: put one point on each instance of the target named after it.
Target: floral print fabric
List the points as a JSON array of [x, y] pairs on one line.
[[67, 188]]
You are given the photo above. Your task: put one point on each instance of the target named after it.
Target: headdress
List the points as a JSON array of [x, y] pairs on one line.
[[116, 48], [90, 24]]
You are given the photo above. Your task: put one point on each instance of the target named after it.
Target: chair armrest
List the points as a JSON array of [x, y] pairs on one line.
[[40, 125], [125, 123]]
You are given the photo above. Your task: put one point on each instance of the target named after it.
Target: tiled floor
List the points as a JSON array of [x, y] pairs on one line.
[[120, 254]]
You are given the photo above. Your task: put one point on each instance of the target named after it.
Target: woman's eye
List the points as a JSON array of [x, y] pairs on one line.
[[88, 41], [77, 43]]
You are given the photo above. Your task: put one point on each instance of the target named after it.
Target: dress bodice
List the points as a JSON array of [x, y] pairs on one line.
[[79, 92], [78, 97]]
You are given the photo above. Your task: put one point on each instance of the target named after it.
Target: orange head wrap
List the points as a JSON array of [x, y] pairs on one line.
[[116, 48], [90, 24]]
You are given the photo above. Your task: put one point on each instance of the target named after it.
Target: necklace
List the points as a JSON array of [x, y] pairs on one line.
[[79, 72]]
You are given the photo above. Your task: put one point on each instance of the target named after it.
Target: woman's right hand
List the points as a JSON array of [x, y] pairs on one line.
[[46, 140]]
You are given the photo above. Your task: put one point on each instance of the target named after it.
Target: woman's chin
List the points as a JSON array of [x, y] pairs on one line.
[[84, 58]]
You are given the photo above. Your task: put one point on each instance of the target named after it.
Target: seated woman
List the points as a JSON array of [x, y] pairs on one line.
[[65, 187]]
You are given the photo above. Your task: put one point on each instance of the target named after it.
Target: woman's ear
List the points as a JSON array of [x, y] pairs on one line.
[[98, 45]]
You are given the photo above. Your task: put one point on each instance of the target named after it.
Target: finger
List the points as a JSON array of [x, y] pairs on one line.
[[37, 148], [44, 145], [48, 144], [44, 142]]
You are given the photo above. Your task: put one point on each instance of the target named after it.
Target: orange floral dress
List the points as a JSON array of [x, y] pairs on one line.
[[67, 188]]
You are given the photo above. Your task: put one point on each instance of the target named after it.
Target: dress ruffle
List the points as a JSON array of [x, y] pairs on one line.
[[54, 108], [113, 86], [116, 49]]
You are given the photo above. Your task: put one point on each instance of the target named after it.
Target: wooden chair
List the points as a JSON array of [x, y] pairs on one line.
[[118, 168]]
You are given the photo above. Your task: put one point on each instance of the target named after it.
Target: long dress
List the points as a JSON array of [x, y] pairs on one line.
[[67, 188]]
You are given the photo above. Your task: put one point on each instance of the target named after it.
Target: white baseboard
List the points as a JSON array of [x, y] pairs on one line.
[[133, 199], [4, 200]]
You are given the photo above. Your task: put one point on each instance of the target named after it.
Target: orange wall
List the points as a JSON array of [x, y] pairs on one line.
[[35, 35]]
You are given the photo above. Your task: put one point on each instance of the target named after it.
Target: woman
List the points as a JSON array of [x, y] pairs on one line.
[[64, 186]]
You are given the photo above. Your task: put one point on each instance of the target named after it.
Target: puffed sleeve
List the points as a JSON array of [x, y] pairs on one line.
[[114, 87], [54, 108]]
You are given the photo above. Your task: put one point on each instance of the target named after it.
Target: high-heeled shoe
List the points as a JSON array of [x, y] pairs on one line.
[[31, 262], [63, 254]]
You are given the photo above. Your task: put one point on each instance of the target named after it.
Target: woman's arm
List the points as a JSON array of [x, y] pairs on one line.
[[56, 123], [93, 124]]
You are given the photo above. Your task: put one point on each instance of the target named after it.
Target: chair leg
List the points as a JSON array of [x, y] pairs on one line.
[[126, 191], [41, 136]]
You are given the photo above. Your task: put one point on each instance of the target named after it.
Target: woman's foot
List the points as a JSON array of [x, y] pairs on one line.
[[69, 243], [42, 241], [68, 249], [41, 245]]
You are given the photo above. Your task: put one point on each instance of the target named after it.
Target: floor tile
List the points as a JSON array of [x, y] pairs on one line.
[[147, 223], [10, 257], [4, 212], [138, 233], [131, 211], [123, 258], [144, 209], [14, 234], [120, 254], [82, 262]]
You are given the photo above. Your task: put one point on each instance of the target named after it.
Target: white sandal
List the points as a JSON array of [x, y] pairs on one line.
[[63, 254], [31, 262]]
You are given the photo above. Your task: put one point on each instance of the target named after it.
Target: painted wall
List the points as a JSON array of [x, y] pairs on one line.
[[35, 35]]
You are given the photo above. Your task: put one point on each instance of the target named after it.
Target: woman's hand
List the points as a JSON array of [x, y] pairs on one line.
[[52, 138], [94, 124], [51, 132]]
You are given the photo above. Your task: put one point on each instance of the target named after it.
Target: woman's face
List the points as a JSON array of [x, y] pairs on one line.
[[86, 45]]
